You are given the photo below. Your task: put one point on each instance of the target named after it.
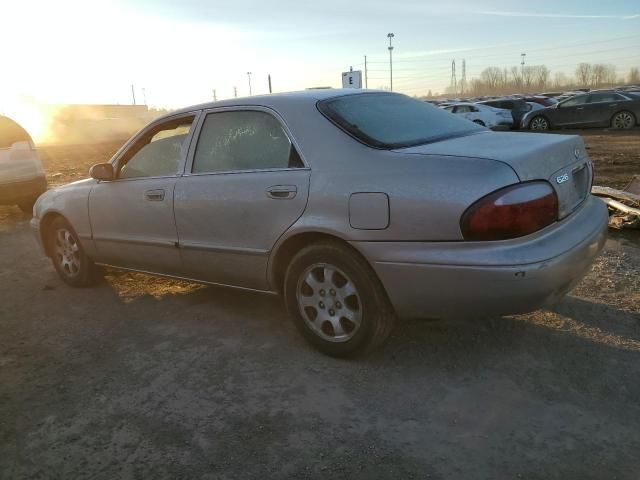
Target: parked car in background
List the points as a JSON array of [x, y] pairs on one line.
[[357, 206], [595, 109], [22, 177], [494, 118], [517, 106], [541, 100]]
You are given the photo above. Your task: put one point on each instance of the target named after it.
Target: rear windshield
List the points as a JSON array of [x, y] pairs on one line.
[[11, 132], [390, 120]]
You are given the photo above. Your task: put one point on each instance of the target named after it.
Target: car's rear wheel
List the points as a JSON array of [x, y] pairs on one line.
[[479, 122], [539, 123], [623, 121], [68, 256], [336, 300]]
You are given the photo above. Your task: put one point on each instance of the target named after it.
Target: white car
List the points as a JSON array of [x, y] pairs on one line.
[[22, 178], [494, 118]]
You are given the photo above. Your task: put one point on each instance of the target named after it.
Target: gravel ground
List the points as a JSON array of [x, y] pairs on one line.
[[142, 377]]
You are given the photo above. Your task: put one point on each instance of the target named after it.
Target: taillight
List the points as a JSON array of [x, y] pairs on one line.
[[511, 212]]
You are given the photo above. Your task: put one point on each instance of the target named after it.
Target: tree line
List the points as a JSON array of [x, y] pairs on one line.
[[538, 78]]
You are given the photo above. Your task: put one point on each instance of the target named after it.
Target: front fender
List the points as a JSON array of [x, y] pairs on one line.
[[71, 202]]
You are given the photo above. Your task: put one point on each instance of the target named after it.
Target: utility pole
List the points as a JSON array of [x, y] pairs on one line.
[[249, 76], [366, 74], [454, 80], [269, 78], [522, 67], [390, 36], [144, 95], [215, 97], [463, 81], [133, 94], [235, 92]]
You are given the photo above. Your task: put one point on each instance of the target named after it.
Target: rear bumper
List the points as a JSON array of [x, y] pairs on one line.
[[450, 279], [24, 190]]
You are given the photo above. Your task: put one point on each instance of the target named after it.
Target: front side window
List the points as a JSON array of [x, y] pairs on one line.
[[572, 102], [463, 109], [158, 153], [243, 140], [390, 120]]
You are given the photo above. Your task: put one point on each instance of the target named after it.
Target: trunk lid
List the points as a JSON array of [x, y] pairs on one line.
[[559, 159]]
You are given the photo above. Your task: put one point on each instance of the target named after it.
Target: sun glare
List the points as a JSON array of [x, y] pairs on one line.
[[34, 118]]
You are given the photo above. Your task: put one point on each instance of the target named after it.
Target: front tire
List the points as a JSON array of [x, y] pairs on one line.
[[479, 122], [539, 123], [68, 257], [623, 121], [336, 300]]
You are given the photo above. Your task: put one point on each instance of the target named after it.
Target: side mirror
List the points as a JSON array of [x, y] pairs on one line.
[[102, 171]]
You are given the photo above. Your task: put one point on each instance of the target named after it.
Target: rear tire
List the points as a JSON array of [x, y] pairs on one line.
[[68, 257], [623, 121], [480, 122], [336, 300], [539, 123]]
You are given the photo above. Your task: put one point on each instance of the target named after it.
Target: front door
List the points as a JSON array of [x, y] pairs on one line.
[[570, 112], [132, 216], [244, 186]]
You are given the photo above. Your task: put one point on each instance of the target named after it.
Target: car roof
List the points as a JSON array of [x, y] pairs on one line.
[[273, 100]]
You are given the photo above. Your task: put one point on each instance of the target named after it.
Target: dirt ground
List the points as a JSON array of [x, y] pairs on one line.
[[141, 377]]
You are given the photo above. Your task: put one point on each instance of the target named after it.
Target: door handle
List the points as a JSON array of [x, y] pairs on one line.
[[154, 195], [580, 108], [282, 192], [613, 104]]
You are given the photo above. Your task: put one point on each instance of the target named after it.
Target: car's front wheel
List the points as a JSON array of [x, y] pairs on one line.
[[539, 123], [623, 120], [68, 256], [336, 300], [479, 122]]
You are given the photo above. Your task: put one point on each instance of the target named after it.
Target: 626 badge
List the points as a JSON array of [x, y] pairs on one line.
[[562, 178]]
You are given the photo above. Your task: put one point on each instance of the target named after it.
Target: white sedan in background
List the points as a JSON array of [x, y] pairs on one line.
[[494, 118]]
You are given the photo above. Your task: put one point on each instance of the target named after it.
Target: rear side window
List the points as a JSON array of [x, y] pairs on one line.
[[11, 132], [243, 140], [389, 120], [604, 97]]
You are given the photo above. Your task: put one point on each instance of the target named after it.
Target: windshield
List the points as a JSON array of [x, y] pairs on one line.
[[389, 120]]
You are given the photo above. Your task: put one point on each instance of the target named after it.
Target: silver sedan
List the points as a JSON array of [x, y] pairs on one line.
[[358, 207]]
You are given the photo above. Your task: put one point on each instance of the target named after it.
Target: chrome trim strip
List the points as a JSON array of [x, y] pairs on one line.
[[187, 279], [218, 249], [137, 241], [257, 170]]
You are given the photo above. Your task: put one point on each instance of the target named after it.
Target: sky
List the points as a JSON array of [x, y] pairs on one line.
[[176, 52]]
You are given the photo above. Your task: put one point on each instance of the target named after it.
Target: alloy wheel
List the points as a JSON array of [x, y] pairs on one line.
[[539, 123], [623, 120], [329, 302], [67, 252]]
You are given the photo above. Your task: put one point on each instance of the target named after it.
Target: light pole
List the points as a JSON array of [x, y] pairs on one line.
[[522, 67], [390, 36], [249, 76]]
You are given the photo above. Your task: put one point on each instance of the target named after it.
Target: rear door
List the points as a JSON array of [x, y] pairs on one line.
[[243, 186], [132, 216], [601, 107]]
